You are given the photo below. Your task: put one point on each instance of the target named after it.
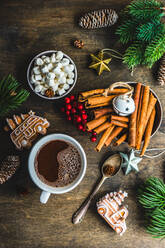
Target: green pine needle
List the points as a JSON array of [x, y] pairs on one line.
[[11, 96], [152, 198], [133, 55], [145, 9], [127, 31], [148, 31], [155, 50]]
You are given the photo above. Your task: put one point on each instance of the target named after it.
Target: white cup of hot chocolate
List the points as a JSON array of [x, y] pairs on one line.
[[65, 172]]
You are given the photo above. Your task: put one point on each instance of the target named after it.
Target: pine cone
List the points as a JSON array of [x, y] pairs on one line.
[[49, 93], [161, 73], [98, 19], [8, 167]]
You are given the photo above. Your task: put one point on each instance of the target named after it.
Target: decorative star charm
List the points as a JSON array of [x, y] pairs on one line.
[[99, 63], [130, 162]]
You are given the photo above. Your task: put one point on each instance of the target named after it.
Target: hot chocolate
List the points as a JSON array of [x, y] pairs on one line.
[[57, 163]]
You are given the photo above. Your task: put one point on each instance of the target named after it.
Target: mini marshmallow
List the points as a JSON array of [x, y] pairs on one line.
[[43, 91], [57, 71], [71, 67], [39, 61], [43, 57], [38, 88], [45, 69], [65, 62], [51, 82], [55, 87], [66, 87], [59, 55], [36, 70], [33, 79], [62, 80], [53, 58], [70, 81], [38, 77], [51, 75], [47, 60], [67, 69], [71, 75], [50, 66], [61, 92]]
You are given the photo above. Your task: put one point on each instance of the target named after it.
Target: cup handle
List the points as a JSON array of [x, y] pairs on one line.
[[44, 197]]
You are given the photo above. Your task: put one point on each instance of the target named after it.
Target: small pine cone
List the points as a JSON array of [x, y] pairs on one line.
[[161, 73], [49, 93], [79, 43], [8, 167], [98, 19]]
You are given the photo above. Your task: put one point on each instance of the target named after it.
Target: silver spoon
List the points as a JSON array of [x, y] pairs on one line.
[[109, 169]]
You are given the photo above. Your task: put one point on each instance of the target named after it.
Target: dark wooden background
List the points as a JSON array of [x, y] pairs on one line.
[[28, 27]]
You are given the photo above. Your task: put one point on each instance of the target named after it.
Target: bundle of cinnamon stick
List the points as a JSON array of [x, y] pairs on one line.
[[131, 128]]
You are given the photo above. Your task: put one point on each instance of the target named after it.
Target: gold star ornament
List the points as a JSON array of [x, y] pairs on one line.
[[99, 63]]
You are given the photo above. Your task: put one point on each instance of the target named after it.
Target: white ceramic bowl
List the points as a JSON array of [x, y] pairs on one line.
[[47, 190], [30, 67]]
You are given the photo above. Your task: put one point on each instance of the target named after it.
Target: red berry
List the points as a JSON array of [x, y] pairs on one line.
[[73, 110], [63, 109], [78, 119], [80, 127], [84, 122], [67, 100], [84, 116], [93, 139], [67, 112], [68, 107], [83, 111], [69, 118], [72, 98], [80, 107], [83, 129], [89, 131], [94, 133]]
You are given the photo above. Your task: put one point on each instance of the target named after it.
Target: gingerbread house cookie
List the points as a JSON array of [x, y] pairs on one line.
[[25, 128], [111, 209]]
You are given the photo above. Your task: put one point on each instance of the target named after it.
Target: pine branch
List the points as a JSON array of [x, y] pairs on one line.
[[127, 31], [11, 96], [145, 9], [155, 50], [148, 31], [133, 55]]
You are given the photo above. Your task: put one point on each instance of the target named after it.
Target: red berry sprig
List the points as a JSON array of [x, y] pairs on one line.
[[76, 113]]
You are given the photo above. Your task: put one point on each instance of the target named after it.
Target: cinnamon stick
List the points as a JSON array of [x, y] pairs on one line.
[[148, 132], [114, 133], [139, 107], [119, 123], [143, 115], [103, 127], [96, 122], [104, 138], [119, 118], [121, 139], [99, 100], [118, 91], [151, 105], [91, 93], [99, 112], [96, 105], [133, 118]]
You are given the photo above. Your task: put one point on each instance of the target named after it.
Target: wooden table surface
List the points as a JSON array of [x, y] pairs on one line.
[[26, 28]]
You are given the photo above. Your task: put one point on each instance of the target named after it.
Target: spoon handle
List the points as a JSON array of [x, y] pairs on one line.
[[80, 213]]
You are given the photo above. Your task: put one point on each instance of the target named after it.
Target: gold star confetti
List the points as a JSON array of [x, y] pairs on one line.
[[99, 63]]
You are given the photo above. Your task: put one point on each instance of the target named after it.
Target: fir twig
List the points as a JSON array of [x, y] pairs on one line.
[[11, 96], [155, 50], [152, 197], [127, 31], [133, 55]]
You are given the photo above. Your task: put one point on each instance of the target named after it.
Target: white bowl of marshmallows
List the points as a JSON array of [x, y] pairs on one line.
[[52, 74]]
